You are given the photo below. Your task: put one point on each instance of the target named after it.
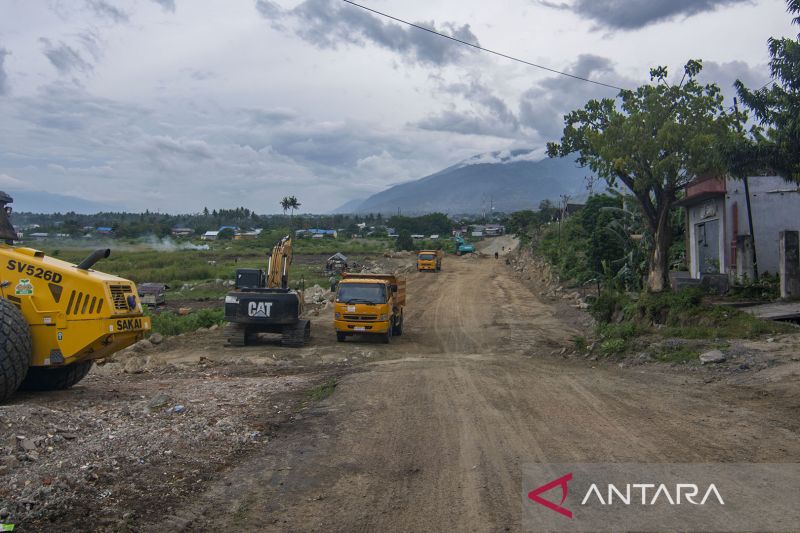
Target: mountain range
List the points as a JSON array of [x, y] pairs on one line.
[[510, 180]]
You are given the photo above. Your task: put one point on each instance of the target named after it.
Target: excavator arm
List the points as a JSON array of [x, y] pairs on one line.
[[280, 260]]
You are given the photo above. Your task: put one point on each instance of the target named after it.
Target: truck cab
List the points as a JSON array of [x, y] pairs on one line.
[[429, 260], [369, 304]]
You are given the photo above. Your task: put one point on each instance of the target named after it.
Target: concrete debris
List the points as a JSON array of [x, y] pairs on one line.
[[26, 445], [156, 339], [143, 345], [134, 365], [713, 356], [316, 295], [158, 401]]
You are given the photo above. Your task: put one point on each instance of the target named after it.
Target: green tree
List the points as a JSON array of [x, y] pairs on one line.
[[404, 241], [653, 140], [775, 141], [603, 250], [519, 223]]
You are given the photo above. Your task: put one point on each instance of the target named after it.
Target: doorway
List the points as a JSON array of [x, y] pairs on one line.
[[708, 247]]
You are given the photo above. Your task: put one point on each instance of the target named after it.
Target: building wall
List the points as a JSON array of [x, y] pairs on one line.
[[775, 207]]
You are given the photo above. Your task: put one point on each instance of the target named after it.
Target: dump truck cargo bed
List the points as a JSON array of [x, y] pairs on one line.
[[391, 279]]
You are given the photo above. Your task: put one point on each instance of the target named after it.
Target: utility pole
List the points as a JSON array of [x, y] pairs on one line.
[[564, 202], [747, 198]]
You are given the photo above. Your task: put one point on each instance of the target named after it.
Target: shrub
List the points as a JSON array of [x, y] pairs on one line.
[[169, 323], [625, 330], [607, 304], [580, 343], [668, 307], [612, 346]]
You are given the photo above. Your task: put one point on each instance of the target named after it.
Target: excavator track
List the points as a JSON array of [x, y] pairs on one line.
[[236, 334], [296, 336]]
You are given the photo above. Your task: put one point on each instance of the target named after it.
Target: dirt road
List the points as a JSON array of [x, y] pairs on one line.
[[426, 434], [431, 435]]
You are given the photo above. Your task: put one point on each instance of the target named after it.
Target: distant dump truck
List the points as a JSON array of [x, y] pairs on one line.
[[369, 304], [430, 260]]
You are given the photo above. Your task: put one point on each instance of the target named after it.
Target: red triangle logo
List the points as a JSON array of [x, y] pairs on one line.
[[560, 482]]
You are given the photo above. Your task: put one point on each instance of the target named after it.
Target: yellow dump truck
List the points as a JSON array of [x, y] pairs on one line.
[[369, 304], [430, 260]]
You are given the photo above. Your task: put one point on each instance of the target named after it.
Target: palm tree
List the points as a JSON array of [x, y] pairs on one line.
[[293, 204], [290, 203]]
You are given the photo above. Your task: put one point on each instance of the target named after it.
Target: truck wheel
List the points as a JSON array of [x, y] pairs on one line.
[[15, 348], [387, 337], [340, 336], [64, 377], [397, 330]]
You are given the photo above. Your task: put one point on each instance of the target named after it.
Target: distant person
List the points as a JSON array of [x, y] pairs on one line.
[[333, 283], [496, 255]]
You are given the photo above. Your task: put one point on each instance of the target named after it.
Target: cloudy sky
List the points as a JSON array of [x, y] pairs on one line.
[[179, 104]]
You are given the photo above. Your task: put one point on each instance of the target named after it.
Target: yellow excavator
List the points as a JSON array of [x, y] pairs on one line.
[[262, 302], [57, 318]]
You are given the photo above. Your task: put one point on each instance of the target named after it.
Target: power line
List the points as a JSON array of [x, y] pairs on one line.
[[482, 49], [769, 82]]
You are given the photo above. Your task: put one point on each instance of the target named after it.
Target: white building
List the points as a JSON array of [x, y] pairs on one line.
[[719, 230]]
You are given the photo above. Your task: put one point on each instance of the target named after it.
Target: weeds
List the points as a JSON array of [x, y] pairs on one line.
[[320, 392], [613, 346], [683, 314], [579, 342]]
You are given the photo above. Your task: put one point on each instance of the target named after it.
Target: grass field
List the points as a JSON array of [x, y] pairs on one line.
[[173, 263]]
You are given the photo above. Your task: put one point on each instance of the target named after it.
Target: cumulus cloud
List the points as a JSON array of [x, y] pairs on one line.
[[65, 140], [163, 148], [487, 114], [105, 10], [537, 116], [166, 5], [328, 23], [4, 85], [725, 74], [66, 59], [504, 157], [11, 183], [542, 107], [270, 116], [635, 14]]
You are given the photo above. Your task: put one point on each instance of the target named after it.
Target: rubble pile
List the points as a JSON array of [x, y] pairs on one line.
[[538, 271], [316, 295], [119, 451]]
